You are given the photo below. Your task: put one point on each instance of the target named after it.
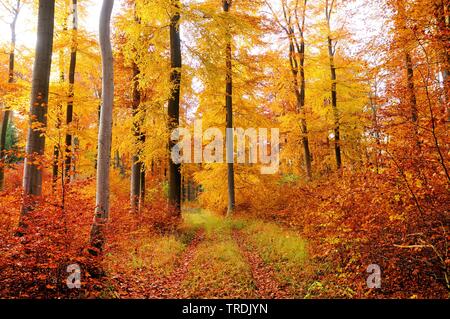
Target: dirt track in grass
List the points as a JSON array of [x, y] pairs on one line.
[[146, 285], [222, 259], [267, 287]]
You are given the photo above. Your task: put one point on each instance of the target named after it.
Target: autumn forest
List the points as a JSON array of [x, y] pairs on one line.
[[231, 149]]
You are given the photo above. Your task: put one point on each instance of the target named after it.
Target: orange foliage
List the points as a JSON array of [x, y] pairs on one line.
[[355, 220], [35, 265]]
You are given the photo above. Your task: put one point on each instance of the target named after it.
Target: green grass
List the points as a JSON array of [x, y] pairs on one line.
[[276, 244], [218, 269], [158, 254], [216, 227], [283, 250]]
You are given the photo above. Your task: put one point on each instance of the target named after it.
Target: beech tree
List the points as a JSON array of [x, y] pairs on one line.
[[32, 177], [105, 130], [229, 109], [137, 173], [63, 19], [136, 166], [329, 7], [174, 104], [293, 24], [69, 111]]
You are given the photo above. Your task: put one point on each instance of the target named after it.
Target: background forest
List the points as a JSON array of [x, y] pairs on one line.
[[359, 90]]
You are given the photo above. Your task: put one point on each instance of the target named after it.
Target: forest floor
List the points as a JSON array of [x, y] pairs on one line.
[[211, 257]]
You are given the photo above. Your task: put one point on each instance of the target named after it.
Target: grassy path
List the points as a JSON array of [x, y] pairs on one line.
[[267, 286], [212, 257], [172, 289]]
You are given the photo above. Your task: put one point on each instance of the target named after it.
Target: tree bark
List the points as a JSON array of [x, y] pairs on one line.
[[69, 112], [97, 238], [300, 94], [32, 178], [411, 91], [337, 130], [229, 109], [297, 65], [301, 52], [136, 166], [174, 106], [331, 54], [7, 112], [57, 146]]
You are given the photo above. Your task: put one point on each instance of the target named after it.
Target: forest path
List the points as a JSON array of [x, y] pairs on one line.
[[267, 286], [183, 264], [153, 281], [216, 257]]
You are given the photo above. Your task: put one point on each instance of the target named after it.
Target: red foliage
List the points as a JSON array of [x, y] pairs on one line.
[[57, 235], [354, 220]]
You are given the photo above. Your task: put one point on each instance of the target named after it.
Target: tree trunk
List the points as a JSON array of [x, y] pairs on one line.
[[337, 131], [412, 95], [136, 166], [297, 64], [229, 110], [105, 130], [305, 139], [32, 178], [69, 113], [414, 116], [300, 95], [174, 107], [7, 112], [331, 53], [137, 192], [57, 146], [99, 112]]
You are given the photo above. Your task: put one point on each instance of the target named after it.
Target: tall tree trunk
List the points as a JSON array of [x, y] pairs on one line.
[[414, 116], [305, 140], [32, 177], [331, 54], [411, 91], [300, 95], [137, 189], [69, 112], [297, 65], [105, 130], [136, 166], [57, 146], [229, 110], [337, 130], [174, 106], [7, 112]]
